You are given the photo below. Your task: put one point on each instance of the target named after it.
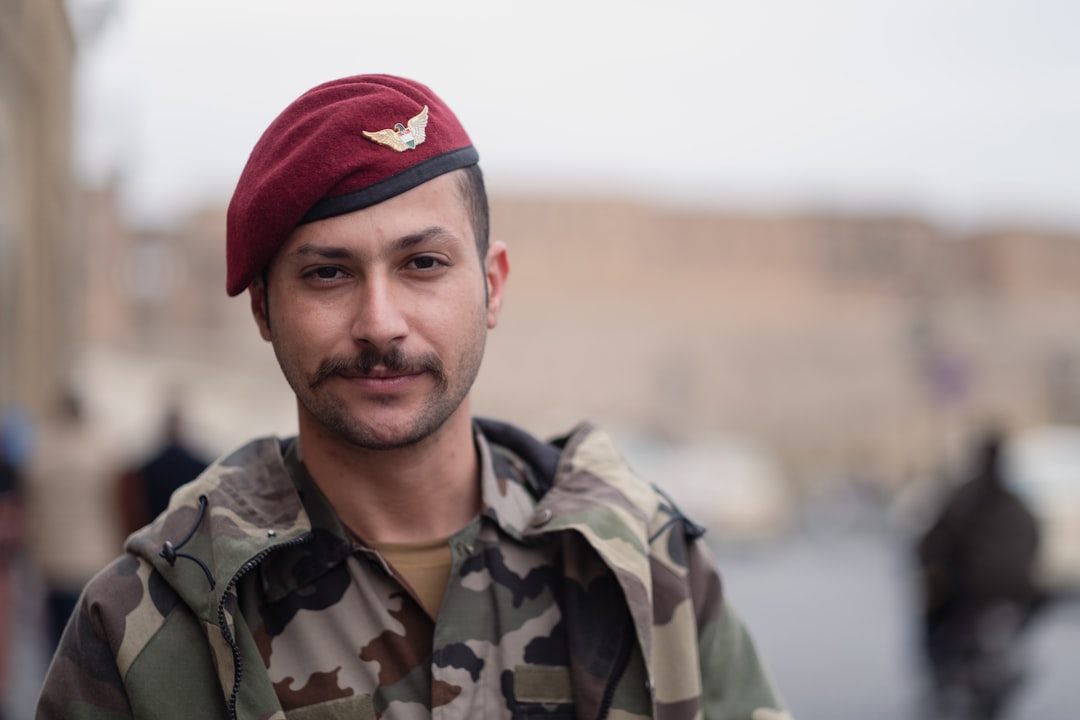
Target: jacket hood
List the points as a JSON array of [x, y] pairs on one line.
[[243, 505]]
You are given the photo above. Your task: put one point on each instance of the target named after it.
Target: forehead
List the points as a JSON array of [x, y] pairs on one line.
[[436, 208]]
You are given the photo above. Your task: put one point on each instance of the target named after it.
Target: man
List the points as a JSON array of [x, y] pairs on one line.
[[11, 541], [399, 558], [144, 488], [977, 562]]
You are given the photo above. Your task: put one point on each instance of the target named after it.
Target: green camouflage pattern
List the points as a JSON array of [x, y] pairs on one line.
[[579, 592]]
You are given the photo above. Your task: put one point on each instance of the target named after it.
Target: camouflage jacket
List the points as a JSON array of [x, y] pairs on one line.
[[170, 631]]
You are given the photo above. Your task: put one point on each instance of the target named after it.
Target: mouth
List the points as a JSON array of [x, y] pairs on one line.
[[379, 374], [381, 380]]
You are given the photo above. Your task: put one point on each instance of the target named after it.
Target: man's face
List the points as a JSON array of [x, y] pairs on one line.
[[378, 318]]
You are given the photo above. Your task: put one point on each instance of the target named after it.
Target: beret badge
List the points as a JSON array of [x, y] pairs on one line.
[[401, 137], [327, 154]]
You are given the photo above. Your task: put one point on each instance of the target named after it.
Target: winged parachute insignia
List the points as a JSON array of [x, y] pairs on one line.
[[400, 137]]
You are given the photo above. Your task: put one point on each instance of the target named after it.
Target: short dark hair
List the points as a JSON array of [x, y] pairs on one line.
[[471, 183]]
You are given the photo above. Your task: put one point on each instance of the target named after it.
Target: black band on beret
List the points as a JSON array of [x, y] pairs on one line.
[[325, 156], [405, 180]]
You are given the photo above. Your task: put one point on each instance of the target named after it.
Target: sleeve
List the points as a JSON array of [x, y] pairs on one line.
[[736, 684], [83, 681]]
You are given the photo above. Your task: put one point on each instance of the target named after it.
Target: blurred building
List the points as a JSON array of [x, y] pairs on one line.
[[37, 291], [850, 345], [839, 340]]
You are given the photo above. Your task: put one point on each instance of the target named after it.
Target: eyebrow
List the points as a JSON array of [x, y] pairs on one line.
[[432, 233]]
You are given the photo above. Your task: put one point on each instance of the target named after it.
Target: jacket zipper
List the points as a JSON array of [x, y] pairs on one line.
[[238, 661]]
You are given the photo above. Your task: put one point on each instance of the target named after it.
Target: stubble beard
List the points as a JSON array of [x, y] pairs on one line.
[[332, 412]]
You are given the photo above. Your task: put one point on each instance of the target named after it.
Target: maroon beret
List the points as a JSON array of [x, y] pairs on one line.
[[341, 146]]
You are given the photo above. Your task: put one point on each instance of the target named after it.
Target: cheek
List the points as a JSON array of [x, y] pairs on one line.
[[306, 329], [447, 327]]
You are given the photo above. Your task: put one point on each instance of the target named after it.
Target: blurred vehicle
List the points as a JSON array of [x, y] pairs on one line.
[[1043, 467], [729, 484]]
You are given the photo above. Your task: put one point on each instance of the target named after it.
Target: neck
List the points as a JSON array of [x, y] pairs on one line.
[[418, 493]]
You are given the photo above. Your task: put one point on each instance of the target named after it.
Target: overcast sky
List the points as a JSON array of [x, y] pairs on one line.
[[962, 110]]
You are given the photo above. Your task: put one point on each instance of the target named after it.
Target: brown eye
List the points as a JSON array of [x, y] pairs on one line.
[[426, 263], [326, 273]]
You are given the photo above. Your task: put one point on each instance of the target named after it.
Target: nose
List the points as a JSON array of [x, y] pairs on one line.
[[379, 319]]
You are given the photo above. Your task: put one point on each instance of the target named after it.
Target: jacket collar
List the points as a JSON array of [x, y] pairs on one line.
[[596, 494], [577, 483]]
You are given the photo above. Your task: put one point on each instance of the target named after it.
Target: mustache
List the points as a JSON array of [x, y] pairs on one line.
[[394, 360]]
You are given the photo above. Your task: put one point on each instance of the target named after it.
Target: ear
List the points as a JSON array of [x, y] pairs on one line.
[[259, 309], [496, 270]]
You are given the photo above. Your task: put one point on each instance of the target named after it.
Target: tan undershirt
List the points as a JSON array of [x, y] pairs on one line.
[[425, 567]]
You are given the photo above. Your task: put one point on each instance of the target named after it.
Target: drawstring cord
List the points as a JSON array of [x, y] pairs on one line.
[[169, 551], [691, 528]]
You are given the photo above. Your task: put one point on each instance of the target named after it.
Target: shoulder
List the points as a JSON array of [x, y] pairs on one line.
[[593, 466], [117, 632], [124, 606], [129, 586], [631, 523], [588, 486]]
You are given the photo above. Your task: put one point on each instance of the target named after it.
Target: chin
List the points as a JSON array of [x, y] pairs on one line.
[[373, 434]]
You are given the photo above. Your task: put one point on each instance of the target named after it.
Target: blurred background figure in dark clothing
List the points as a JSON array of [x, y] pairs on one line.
[[11, 539], [145, 489], [977, 564]]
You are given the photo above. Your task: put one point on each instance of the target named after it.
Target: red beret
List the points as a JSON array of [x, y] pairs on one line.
[[341, 146]]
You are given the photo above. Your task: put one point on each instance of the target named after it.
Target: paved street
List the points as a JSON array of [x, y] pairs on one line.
[[834, 616]]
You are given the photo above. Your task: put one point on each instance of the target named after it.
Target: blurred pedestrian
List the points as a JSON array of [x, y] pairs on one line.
[[144, 490], [977, 564], [72, 524], [11, 542], [399, 557]]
